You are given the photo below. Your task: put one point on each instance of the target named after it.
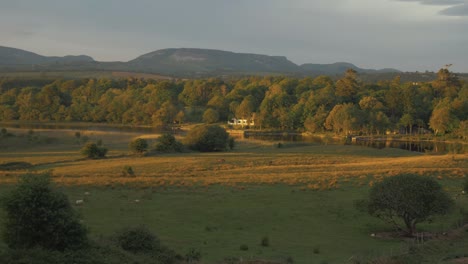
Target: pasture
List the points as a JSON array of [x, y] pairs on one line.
[[301, 196]]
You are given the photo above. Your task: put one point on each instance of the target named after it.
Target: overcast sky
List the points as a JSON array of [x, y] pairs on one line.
[[405, 34]]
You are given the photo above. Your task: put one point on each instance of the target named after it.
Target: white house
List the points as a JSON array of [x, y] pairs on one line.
[[240, 122]]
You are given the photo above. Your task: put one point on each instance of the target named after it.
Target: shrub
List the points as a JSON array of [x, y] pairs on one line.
[[93, 151], [207, 138], [138, 145], [465, 185], [244, 247], [193, 255], [15, 165], [168, 143], [137, 239], [265, 242], [127, 171], [38, 215]]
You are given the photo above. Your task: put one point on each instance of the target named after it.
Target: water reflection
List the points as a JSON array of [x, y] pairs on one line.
[[416, 146]]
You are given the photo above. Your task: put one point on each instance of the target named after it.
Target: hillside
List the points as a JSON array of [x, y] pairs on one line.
[[338, 68], [183, 62], [201, 61], [16, 57]]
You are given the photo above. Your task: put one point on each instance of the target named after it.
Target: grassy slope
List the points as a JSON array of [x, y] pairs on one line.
[[300, 197]]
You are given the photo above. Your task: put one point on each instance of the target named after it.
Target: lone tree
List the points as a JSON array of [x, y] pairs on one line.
[[408, 199], [93, 151], [39, 215], [138, 145], [207, 138]]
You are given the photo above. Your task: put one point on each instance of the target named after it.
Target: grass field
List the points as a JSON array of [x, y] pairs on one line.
[[300, 196]]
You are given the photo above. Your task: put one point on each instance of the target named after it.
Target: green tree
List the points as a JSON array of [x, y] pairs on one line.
[[344, 118], [348, 86], [39, 215], [93, 151], [408, 199], [168, 143], [138, 145], [207, 138], [210, 116], [442, 119], [447, 84], [407, 121]]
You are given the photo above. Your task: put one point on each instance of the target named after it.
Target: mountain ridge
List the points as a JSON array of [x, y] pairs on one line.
[[177, 62]]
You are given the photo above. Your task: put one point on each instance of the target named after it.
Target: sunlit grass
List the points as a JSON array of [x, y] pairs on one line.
[[300, 195], [252, 162]]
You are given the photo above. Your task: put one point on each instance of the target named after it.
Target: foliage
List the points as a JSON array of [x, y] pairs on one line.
[[15, 165], [138, 145], [193, 256], [127, 171], [93, 151], [39, 215], [410, 198], [210, 116], [244, 247], [231, 143], [271, 102], [137, 239], [97, 253], [168, 143], [207, 138]]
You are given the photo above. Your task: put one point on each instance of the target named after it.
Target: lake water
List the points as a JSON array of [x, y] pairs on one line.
[[414, 145], [417, 146]]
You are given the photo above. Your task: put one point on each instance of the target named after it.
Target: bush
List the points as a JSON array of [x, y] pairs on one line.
[[465, 185], [244, 247], [168, 143], [137, 239], [15, 165], [207, 138], [265, 242], [93, 151], [38, 215], [138, 145], [128, 171], [193, 256]]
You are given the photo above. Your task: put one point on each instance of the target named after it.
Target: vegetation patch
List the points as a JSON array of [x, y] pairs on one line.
[[17, 165]]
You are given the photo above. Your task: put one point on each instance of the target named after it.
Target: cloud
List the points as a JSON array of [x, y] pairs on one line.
[[459, 10], [457, 7], [437, 2]]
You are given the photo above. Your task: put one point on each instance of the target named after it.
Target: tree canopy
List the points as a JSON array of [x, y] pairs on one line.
[[410, 199], [274, 102], [39, 215], [207, 138]]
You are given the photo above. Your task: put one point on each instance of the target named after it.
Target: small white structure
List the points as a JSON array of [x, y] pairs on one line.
[[241, 122]]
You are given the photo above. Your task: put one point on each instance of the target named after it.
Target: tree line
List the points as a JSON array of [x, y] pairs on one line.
[[344, 106]]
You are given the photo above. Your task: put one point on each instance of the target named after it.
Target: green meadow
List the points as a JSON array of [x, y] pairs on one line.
[[300, 197]]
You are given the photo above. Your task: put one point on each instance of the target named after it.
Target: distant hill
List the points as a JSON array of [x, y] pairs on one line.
[[17, 57], [338, 68], [184, 62], [202, 61]]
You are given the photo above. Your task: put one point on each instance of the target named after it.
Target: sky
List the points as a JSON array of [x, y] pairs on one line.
[[410, 35]]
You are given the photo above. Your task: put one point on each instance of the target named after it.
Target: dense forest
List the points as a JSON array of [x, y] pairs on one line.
[[344, 106]]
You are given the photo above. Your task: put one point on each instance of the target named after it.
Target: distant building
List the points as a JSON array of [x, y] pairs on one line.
[[241, 122]]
